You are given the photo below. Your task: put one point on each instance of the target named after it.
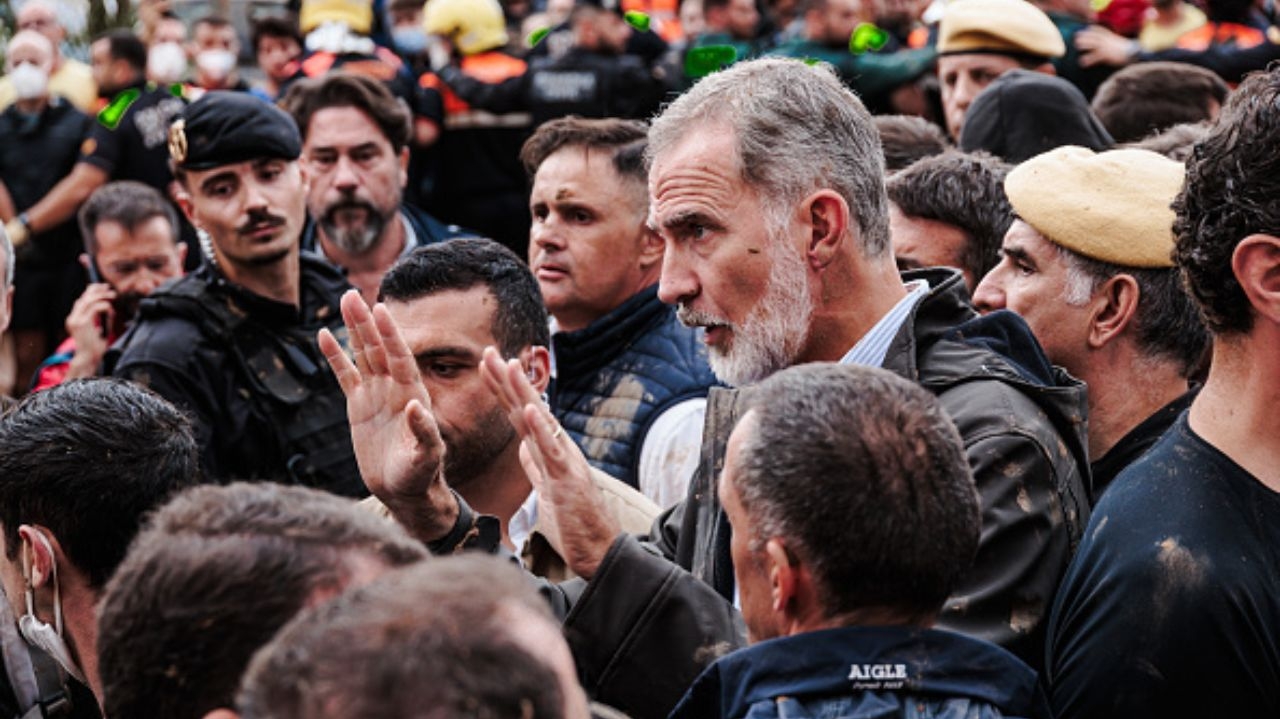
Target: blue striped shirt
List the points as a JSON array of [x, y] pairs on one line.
[[874, 345]]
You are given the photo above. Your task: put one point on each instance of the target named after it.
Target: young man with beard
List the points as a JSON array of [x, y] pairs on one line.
[[786, 261], [233, 343], [450, 301], [132, 246], [355, 149]]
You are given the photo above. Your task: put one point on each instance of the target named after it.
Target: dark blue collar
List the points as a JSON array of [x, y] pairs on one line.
[[581, 352], [846, 661]]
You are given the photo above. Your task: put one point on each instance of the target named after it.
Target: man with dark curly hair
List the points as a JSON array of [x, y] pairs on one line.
[[1170, 607]]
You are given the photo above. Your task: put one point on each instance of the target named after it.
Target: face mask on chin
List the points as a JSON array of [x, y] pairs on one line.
[[38, 633]]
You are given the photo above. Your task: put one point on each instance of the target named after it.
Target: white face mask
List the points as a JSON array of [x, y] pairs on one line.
[[39, 634], [29, 81], [166, 63], [216, 64]]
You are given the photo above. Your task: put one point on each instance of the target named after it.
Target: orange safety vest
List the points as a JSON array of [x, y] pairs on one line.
[[492, 67]]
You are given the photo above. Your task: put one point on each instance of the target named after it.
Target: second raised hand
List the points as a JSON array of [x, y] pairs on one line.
[[556, 467]]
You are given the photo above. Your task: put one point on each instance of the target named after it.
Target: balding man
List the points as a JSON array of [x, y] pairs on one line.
[[70, 78], [980, 40], [1088, 264]]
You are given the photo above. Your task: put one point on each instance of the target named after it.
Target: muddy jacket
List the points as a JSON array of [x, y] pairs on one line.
[[866, 673], [659, 610]]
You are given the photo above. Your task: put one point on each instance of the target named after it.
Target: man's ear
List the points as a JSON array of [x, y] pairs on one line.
[[782, 578], [1046, 68], [182, 196], [536, 361], [651, 248], [1116, 304], [404, 166], [40, 553], [827, 216], [1256, 264]]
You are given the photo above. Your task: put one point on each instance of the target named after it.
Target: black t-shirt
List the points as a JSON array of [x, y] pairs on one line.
[[36, 152], [1136, 442], [1171, 607], [134, 146]]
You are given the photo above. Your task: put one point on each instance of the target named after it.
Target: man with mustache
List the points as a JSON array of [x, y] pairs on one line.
[[132, 246], [355, 147], [233, 343]]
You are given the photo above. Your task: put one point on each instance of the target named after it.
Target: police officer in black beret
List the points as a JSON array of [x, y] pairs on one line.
[[233, 343]]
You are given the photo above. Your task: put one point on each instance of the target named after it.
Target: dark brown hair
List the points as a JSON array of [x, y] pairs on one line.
[[307, 97], [625, 138], [1231, 192]]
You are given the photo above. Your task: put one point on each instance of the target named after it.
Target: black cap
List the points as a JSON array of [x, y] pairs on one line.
[[1025, 113], [224, 127]]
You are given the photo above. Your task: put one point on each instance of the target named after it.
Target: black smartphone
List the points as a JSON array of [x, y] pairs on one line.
[[95, 277]]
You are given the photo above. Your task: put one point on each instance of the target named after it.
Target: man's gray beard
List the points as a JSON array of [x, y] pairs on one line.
[[772, 335], [355, 240]]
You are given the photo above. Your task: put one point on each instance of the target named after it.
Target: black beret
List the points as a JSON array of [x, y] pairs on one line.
[[224, 127]]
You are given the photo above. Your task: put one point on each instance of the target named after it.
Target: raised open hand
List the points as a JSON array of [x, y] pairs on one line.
[[397, 443], [580, 527]]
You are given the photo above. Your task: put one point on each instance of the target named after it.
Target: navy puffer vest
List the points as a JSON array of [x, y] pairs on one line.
[[616, 376]]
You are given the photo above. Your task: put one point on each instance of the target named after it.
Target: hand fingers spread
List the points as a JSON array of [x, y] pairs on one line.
[[423, 424], [494, 372], [399, 360], [346, 372], [374, 354], [519, 383], [354, 312], [552, 447]]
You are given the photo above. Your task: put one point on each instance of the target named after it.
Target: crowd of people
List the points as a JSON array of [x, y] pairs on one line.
[[642, 358]]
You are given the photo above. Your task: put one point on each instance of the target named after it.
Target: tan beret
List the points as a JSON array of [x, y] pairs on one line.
[[1111, 206], [1013, 27]]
